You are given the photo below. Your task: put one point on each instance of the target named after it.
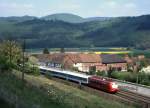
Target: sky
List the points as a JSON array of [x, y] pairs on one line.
[[83, 8]]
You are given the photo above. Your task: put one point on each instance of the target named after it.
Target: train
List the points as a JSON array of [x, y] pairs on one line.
[[96, 82]]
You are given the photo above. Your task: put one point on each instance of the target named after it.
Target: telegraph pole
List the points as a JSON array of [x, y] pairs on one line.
[[10, 51], [10, 45], [23, 59]]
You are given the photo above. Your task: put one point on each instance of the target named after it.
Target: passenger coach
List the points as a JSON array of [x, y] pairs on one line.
[[73, 76]]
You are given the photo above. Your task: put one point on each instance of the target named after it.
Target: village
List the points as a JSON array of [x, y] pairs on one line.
[[92, 63]]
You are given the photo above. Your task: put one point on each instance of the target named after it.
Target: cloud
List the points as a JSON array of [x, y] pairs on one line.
[[16, 6], [119, 5], [16, 9], [84, 8], [130, 5], [115, 8], [112, 4], [68, 5]]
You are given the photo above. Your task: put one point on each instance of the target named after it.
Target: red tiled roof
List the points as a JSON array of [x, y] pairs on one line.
[[75, 58], [43, 57], [89, 58]]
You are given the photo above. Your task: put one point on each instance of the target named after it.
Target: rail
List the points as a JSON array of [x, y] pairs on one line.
[[144, 100], [116, 97]]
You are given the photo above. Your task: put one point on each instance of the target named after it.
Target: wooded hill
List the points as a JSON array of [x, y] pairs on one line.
[[98, 32]]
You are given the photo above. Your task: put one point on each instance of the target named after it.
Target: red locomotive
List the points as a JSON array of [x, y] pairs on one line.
[[104, 84]]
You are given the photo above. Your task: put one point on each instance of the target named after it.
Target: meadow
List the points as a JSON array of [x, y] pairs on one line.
[[40, 92]]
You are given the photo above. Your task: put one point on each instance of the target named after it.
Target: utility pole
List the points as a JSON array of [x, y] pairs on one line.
[[23, 59], [10, 52], [10, 46]]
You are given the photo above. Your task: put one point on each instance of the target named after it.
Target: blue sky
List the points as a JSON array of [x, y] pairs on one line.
[[83, 8]]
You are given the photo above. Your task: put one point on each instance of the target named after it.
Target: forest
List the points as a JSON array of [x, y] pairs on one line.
[[57, 33]]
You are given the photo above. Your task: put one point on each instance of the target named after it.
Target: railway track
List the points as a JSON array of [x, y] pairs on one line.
[[124, 97], [138, 98]]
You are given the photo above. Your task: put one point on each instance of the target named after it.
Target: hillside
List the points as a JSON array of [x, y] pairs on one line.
[[17, 19], [64, 17], [121, 31], [71, 18], [129, 31]]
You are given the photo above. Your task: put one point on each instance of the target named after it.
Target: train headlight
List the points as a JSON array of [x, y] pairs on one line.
[[114, 85]]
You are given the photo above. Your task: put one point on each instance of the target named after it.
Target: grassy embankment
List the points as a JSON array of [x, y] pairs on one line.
[[40, 92], [4, 104]]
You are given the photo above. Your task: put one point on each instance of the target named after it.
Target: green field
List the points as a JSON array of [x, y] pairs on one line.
[[82, 50], [97, 50]]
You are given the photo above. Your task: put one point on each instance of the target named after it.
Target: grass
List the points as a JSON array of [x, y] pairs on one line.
[[95, 49], [41, 92], [4, 104], [25, 97]]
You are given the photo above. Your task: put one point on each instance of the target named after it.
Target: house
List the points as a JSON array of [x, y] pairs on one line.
[[51, 60], [83, 62], [114, 62], [86, 62], [43, 59], [80, 62]]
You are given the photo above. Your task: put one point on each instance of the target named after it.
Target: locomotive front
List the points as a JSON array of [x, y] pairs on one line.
[[113, 87]]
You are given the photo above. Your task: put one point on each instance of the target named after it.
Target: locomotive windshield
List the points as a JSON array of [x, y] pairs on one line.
[[114, 85]]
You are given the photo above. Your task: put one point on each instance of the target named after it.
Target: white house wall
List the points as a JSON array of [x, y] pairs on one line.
[[81, 67]]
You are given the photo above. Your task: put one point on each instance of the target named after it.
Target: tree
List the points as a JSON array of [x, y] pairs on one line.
[[33, 60], [130, 67], [144, 63], [4, 64], [62, 50], [110, 70], [33, 63], [101, 73], [45, 51], [10, 52], [92, 70]]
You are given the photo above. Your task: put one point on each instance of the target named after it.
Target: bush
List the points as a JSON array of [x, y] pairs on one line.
[[92, 73], [35, 71], [4, 64], [45, 51], [101, 73], [127, 76], [144, 78], [132, 77], [92, 70], [145, 82], [30, 69]]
